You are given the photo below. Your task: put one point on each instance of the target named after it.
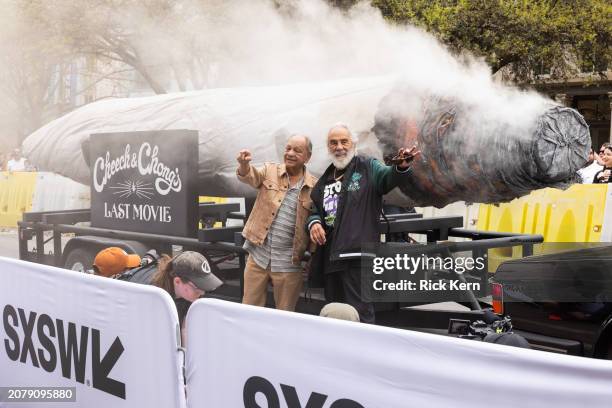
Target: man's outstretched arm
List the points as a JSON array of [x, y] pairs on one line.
[[249, 174]]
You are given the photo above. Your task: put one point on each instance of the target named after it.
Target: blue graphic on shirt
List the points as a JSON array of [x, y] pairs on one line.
[[330, 202], [354, 184]]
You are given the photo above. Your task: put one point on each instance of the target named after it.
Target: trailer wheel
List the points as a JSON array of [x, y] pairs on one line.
[[80, 260]]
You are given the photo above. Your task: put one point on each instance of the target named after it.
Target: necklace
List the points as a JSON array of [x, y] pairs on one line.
[[338, 177]]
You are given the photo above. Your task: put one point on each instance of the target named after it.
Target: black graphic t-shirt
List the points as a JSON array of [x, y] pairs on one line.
[[331, 198], [330, 201]]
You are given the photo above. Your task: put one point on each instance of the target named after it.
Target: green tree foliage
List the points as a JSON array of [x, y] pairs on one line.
[[156, 38], [524, 37]]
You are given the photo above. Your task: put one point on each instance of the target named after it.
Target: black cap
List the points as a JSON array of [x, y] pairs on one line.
[[194, 267]]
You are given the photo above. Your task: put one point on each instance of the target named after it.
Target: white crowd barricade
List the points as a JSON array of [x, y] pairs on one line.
[[243, 356], [115, 342]]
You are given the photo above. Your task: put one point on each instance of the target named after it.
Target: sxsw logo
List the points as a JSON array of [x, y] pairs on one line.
[[258, 385], [70, 348]]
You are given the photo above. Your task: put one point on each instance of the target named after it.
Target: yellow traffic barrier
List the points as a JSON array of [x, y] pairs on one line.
[[457, 209], [216, 200], [16, 193], [573, 215]]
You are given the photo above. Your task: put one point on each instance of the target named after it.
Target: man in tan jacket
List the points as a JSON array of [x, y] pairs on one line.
[[275, 236]]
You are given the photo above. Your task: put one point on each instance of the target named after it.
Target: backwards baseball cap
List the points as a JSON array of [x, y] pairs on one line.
[[194, 267], [114, 260]]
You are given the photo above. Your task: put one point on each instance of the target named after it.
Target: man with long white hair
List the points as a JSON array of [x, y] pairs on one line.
[[347, 202]]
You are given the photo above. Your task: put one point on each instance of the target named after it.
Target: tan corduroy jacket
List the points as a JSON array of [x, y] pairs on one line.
[[272, 182]]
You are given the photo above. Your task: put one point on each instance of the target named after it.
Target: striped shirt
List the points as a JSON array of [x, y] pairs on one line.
[[277, 248]]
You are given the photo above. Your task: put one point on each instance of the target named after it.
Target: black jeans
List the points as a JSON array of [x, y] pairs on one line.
[[344, 286]]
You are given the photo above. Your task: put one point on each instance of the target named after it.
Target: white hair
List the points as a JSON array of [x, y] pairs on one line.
[[306, 139], [345, 127], [341, 164]]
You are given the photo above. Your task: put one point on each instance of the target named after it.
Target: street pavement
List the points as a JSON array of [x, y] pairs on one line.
[[9, 246]]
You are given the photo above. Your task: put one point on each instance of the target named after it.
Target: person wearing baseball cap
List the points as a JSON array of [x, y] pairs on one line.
[[113, 260], [186, 277], [194, 267]]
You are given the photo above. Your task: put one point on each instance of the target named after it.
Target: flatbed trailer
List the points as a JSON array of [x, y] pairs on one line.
[[64, 239]]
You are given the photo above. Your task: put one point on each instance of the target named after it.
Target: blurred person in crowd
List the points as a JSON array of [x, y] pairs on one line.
[[603, 175], [347, 205], [186, 277], [114, 260], [587, 172], [16, 162], [29, 166], [274, 233], [599, 154], [340, 311]]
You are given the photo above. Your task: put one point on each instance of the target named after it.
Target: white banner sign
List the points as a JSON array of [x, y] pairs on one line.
[[243, 356], [115, 342]]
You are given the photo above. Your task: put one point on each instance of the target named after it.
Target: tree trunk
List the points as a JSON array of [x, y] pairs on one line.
[[154, 84]]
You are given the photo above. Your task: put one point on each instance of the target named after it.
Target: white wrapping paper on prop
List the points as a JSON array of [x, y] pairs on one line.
[[460, 157]]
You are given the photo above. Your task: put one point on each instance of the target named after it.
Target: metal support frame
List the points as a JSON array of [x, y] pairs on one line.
[[217, 212], [229, 239], [436, 228]]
